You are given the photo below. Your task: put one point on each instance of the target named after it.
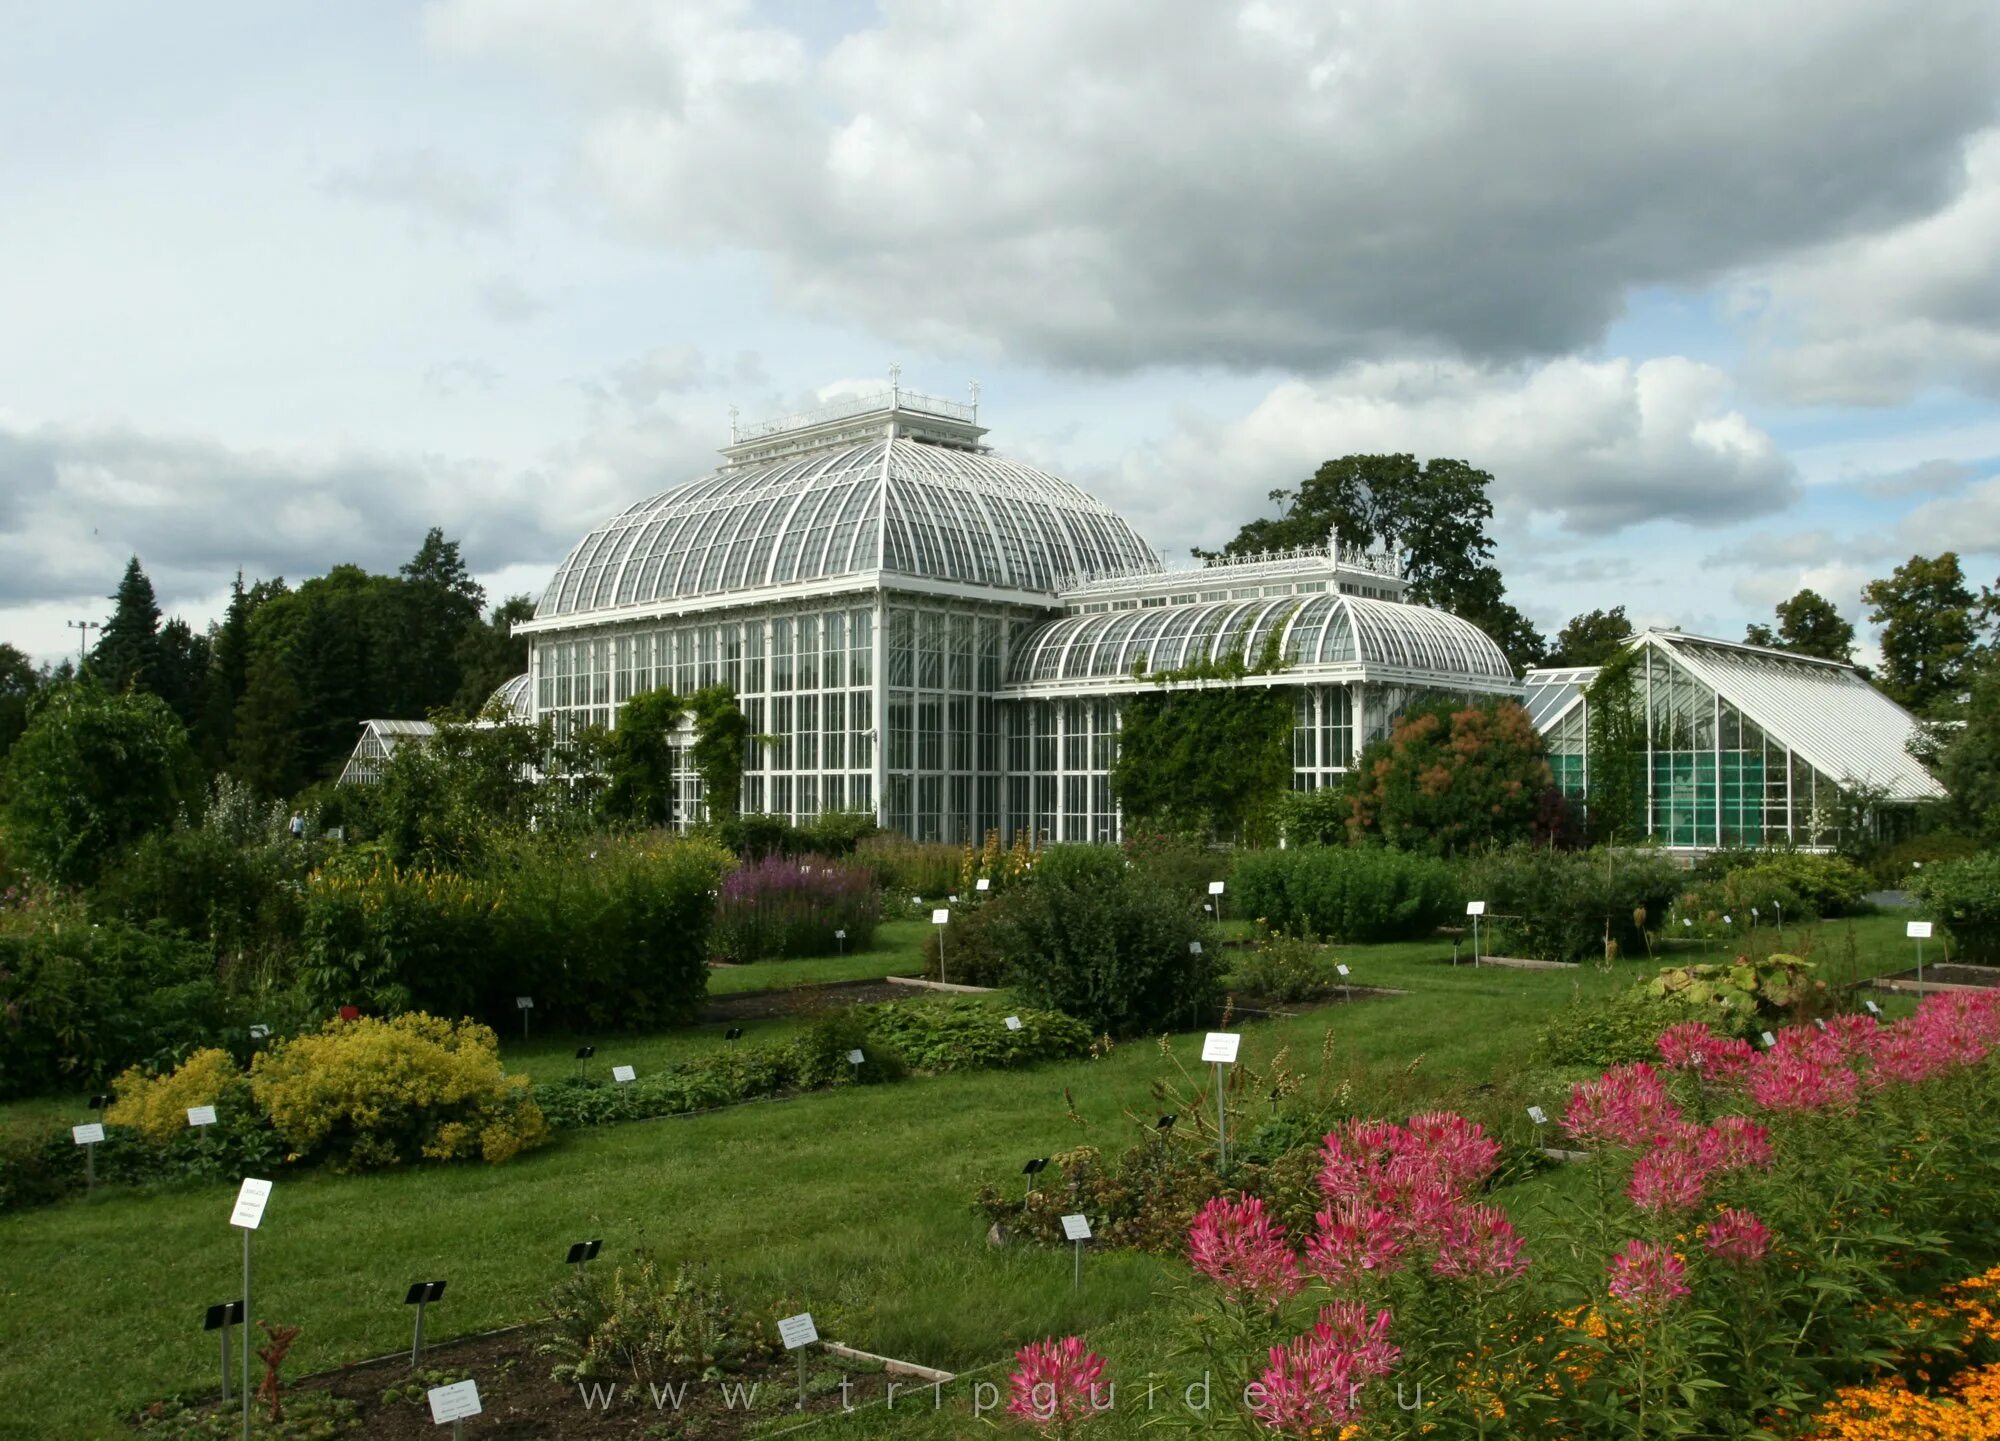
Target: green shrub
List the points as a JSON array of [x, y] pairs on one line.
[[1965, 896], [1283, 968], [957, 1035], [1831, 885], [973, 952], [610, 934], [1739, 998], [367, 1093], [1358, 894], [1560, 905], [1896, 867], [204, 886], [646, 1326], [1104, 941], [905, 868], [1606, 1030], [81, 1002]]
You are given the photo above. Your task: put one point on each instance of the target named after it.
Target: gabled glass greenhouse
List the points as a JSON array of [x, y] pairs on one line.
[[924, 630], [1734, 745]]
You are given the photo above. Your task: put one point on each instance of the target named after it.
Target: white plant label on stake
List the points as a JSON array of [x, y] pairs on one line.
[[1873, 1009], [454, 1402], [250, 1203], [1725, 920], [1918, 931], [524, 1003], [89, 1135], [1475, 908], [624, 1075], [855, 1058], [1215, 888], [1194, 948], [982, 884], [260, 1033], [940, 917], [1769, 1040], [1013, 1023], [797, 1331], [201, 1115], [1341, 969], [840, 935], [1538, 1115], [952, 899], [1076, 1228], [1219, 1048]]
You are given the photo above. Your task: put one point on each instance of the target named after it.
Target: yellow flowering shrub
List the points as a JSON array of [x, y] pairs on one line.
[[370, 1093], [1968, 1410], [157, 1106]]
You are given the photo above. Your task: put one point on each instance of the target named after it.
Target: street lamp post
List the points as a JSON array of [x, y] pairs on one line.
[[83, 628]]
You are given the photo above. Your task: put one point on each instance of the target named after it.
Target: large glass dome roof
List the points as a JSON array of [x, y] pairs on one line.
[[1314, 631], [900, 505]]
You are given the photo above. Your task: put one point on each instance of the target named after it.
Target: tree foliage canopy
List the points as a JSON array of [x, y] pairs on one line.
[[94, 771], [1592, 638], [1808, 624], [1929, 631], [1431, 517], [1450, 778]]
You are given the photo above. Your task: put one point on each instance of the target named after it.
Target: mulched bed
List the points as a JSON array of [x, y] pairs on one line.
[[1244, 1003], [802, 1000], [385, 1401]]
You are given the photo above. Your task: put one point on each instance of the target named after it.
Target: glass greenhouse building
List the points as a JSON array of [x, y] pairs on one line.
[[921, 629], [1742, 746]]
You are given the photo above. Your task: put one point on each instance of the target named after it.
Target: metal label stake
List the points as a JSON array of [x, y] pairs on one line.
[[1077, 1230], [247, 1217], [219, 1318], [420, 1295], [1219, 1049]]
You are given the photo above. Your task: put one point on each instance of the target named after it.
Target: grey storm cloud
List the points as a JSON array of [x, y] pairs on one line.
[[1282, 182]]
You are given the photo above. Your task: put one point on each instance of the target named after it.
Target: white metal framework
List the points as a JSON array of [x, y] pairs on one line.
[[921, 629], [1744, 745]]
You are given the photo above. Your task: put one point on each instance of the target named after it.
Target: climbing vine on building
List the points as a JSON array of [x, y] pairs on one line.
[[1616, 751], [1212, 762]]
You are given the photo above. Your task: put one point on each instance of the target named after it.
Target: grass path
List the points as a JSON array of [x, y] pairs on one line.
[[854, 1203]]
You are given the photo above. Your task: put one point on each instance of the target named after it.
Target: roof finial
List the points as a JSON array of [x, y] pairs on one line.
[[895, 382], [733, 437], [974, 388]]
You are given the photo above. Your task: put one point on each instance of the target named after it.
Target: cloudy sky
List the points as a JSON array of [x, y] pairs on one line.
[[1713, 290]]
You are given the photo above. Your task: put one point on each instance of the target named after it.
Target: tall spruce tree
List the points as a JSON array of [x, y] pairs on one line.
[[266, 728], [127, 655], [228, 675], [181, 672]]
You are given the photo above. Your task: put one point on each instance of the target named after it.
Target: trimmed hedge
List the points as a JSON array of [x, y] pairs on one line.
[[1346, 894]]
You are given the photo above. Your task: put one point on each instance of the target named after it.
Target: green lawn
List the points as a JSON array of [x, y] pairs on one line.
[[853, 1203]]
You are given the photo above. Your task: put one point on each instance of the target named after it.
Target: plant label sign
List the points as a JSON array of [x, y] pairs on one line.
[[260, 1033], [940, 916], [1215, 888], [454, 1402], [1342, 970], [840, 935], [1076, 1228], [1538, 1115], [1219, 1047], [1013, 1023], [624, 1075], [982, 884], [855, 1058], [1194, 948], [1475, 908], [201, 1115], [1918, 930], [1873, 1009], [250, 1203], [524, 1003], [797, 1331], [88, 1135], [1769, 1040]]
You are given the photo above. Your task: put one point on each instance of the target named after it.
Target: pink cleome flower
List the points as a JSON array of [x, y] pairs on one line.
[[1693, 1046], [1648, 1277], [1316, 1380], [1626, 1106], [1668, 1178], [1799, 1076], [1055, 1383], [1733, 1143], [1479, 1241], [1238, 1245], [1738, 1237], [1353, 1240]]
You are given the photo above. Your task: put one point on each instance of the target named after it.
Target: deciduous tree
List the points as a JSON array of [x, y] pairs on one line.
[[1592, 638], [1450, 778], [1928, 631]]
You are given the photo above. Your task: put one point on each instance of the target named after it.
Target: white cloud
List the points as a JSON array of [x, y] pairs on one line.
[[1968, 523], [1285, 182], [1594, 446], [1873, 320], [426, 185]]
